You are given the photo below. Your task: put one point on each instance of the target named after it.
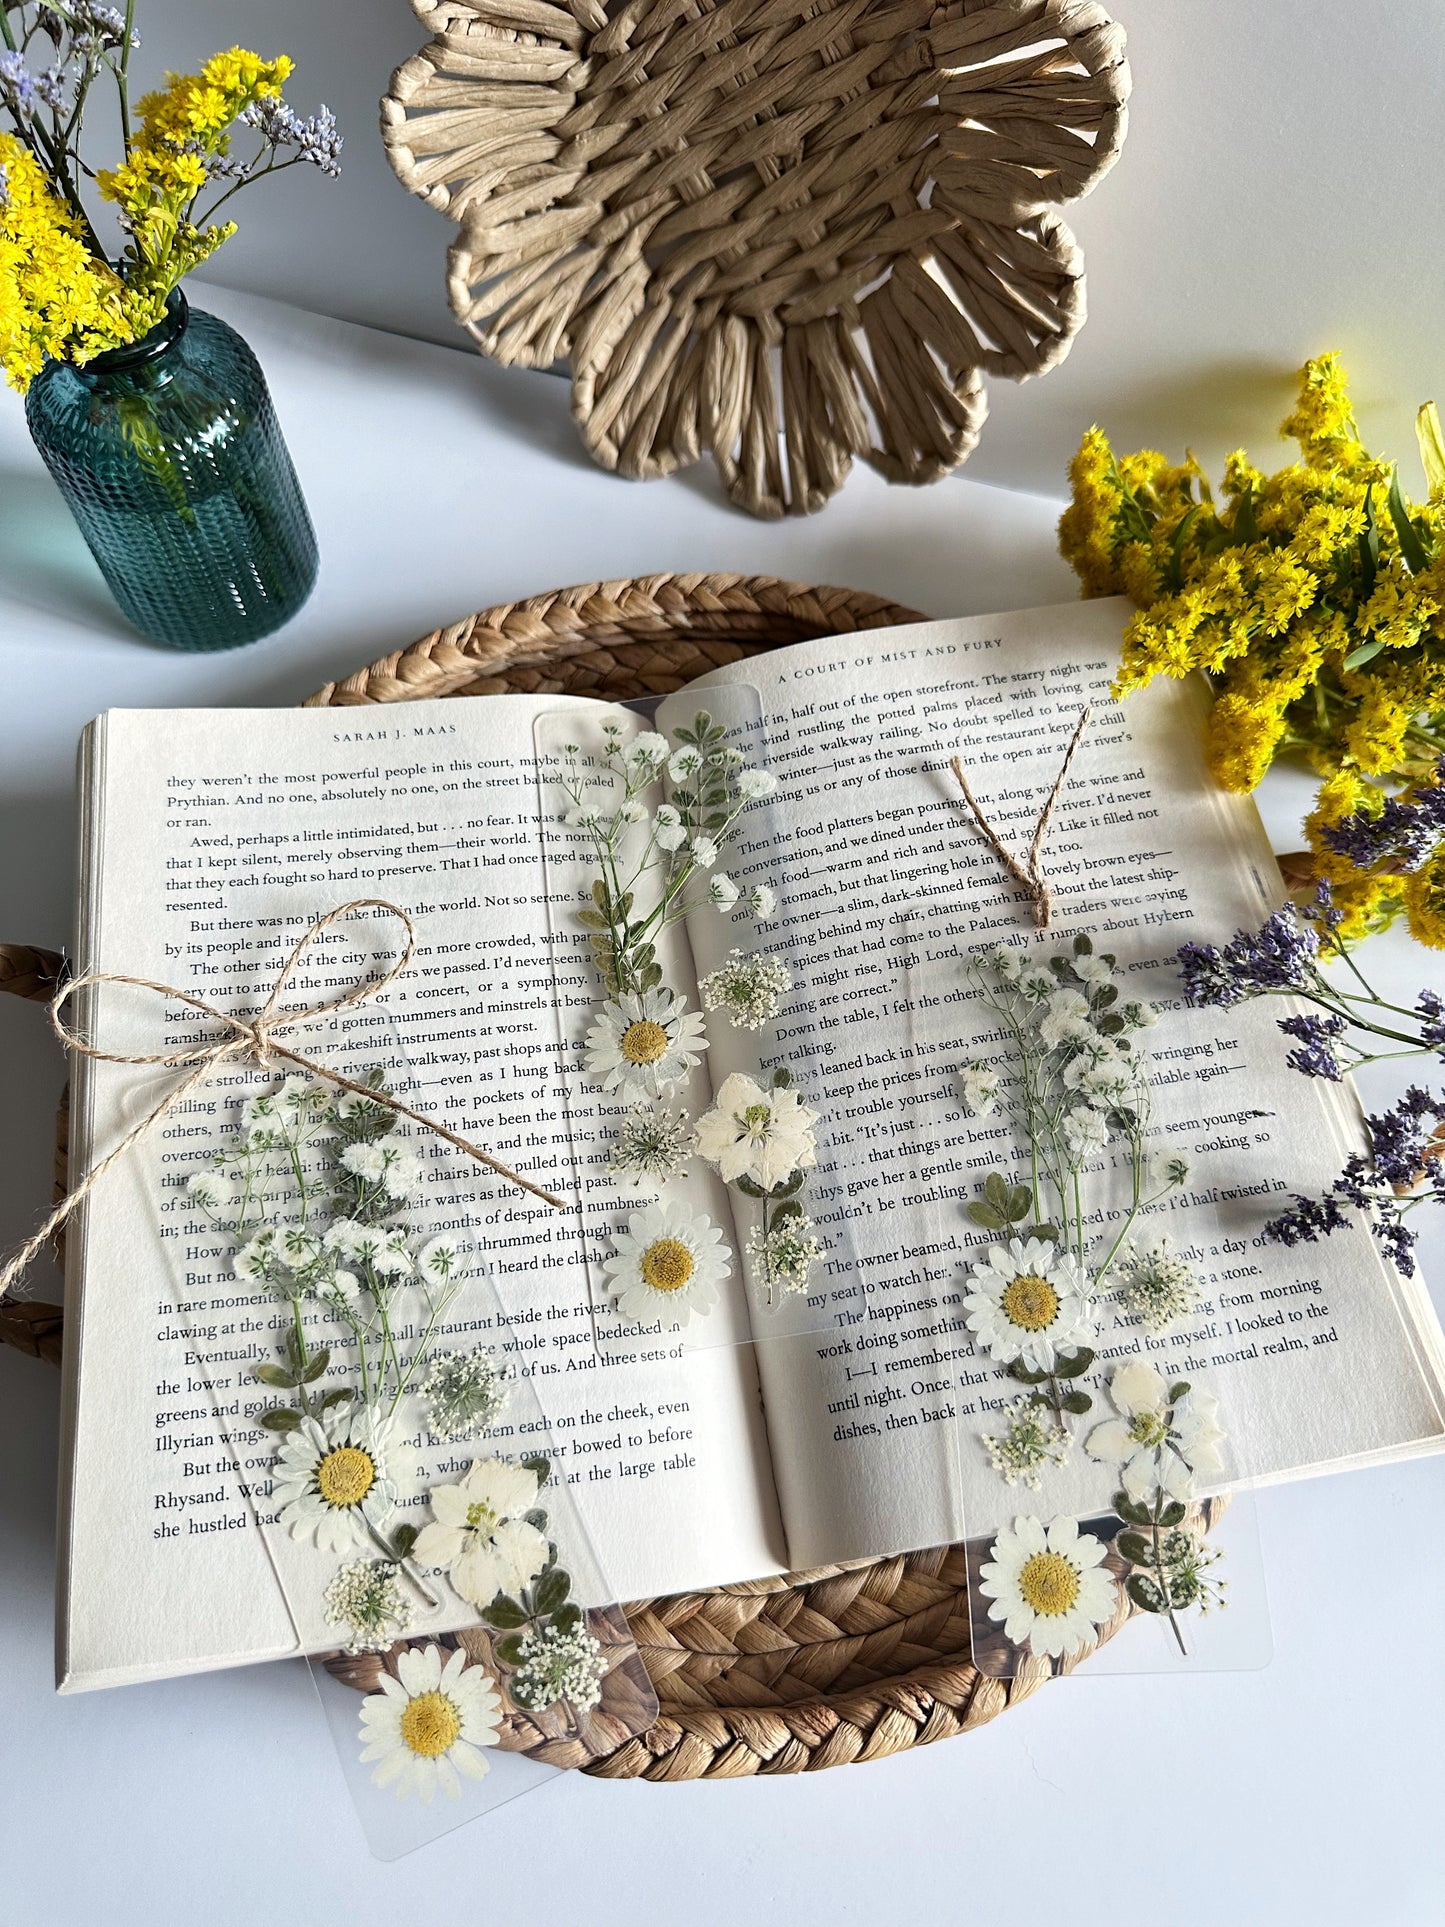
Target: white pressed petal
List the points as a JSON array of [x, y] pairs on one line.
[[437, 1544], [1111, 1441], [505, 1488], [1136, 1387], [470, 1759], [521, 1551]]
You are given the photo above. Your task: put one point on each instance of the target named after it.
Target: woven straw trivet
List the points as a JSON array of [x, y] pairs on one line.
[[776, 1675], [782, 234]]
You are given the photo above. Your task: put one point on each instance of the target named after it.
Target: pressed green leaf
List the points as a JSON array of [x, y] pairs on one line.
[[1177, 1390], [995, 1190], [748, 1188], [342, 1396], [280, 1418], [1022, 1373], [782, 1078], [1144, 1593], [318, 1365], [1073, 1364], [1130, 1509], [402, 1540], [1173, 1514], [593, 919], [789, 1186], [985, 1215], [1020, 1203], [1369, 543], [1111, 1024], [566, 1617], [1077, 1402], [1134, 1547], [1049, 1233], [276, 1375], [504, 1613], [1063, 970], [1246, 528], [1105, 995], [509, 1650], [542, 1467], [1083, 945], [536, 1518], [599, 893], [551, 1590]]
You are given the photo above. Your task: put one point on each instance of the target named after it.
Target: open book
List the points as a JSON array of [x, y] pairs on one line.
[[706, 1463]]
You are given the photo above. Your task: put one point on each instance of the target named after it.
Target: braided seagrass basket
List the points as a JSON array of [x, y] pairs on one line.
[[775, 1675]]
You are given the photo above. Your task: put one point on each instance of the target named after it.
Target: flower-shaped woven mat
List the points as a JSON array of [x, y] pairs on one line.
[[787, 234], [781, 1675]]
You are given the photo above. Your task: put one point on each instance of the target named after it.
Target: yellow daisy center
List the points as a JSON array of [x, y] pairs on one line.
[[667, 1264], [346, 1475], [480, 1517], [643, 1042], [1049, 1583], [1030, 1302], [430, 1724]]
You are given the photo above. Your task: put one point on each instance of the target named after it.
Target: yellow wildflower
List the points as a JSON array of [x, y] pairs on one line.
[[1423, 896], [58, 300]]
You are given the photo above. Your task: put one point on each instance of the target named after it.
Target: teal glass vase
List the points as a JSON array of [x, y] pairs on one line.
[[170, 459]]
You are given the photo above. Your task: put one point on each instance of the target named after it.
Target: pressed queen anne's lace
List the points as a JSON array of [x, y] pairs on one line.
[[368, 1598], [748, 989], [464, 1393], [558, 1664]]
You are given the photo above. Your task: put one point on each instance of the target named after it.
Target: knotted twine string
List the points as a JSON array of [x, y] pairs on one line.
[[250, 1040], [1030, 872]]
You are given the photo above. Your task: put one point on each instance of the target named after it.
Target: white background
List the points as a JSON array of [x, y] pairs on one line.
[[1279, 194], [1306, 1792]]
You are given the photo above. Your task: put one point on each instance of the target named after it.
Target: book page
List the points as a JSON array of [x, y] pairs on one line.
[[1321, 1356], [219, 836]]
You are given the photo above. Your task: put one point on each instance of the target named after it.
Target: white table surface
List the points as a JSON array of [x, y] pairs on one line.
[[1309, 1791]]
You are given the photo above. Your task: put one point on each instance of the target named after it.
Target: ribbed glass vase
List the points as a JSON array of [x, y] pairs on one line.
[[169, 457]]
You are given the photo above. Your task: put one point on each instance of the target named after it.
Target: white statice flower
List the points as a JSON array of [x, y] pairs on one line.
[[1029, 1441], [1060, 1016], [669, 832], [1156, 1283], [1029, 1302], [704, 851], [722, 892], [748, 988], [1085, 1134], [558, 1664], [668, 1262], [757, 1134], [1092, 968], [1036, 982], [339, 1474], [641, 1045], [979, 1086], [368, 1599], [464, 1392], [1165, 1436], [761, 903], [647, 752], [1048, 1586], [652, 1145], [684, 763], [426, 1731], [440, 1260], [479, 1532], [257, 1260], [1168, 1170], [786, 1252], [755, 783]]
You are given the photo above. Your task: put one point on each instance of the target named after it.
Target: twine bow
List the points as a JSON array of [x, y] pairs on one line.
[[1030, 871], [248, 1040]]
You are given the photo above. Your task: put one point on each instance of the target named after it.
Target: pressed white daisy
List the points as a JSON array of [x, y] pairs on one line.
[[979, 1085], [722, 892], [1156, 1283], [440, 1260], [667, 1262], [1048, 1587], [1063, 1009], [479, 1533], [757, 1134], [464, 1392], [1085, 1133], [761, 903], [652, 1145], [641, 1045], [669, 832], [704, 852], [1164, 1436], [1029, 1302], [367, 1598], [558, 1664], [748, 988], [338, 1474], [753, 783], [427, 1729]]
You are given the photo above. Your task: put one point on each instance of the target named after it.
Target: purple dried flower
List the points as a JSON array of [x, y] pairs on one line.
[[316, 140], [17, 83], [1280, 955], [1307, 1220], [1399, 1137], [1431, 1012], [1400, 836], [1315, 1054]]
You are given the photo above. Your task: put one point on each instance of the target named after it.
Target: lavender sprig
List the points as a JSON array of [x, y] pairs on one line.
[[1401, 836]]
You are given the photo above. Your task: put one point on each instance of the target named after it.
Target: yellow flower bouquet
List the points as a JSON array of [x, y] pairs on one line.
[[1314, 598]]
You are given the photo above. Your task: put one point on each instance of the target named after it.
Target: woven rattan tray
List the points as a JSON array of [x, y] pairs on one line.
[[776, 1675]]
